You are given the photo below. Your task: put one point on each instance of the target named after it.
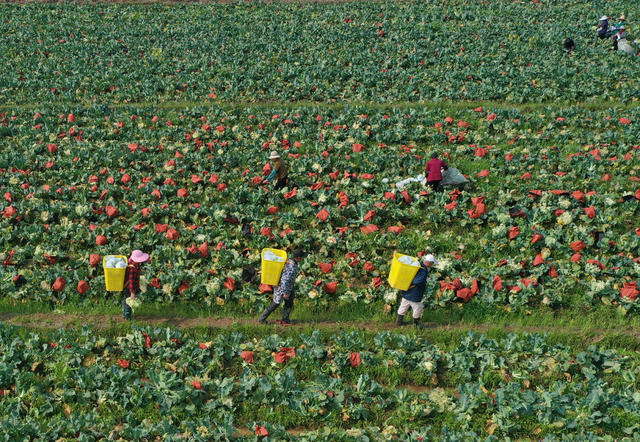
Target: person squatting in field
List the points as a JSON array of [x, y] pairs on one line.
[[414, 297], [285, 290], [279, 171], [603, 27]]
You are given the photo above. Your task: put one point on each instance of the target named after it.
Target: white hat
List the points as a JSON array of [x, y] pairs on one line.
[[429, 258], [604, 17], [274, 155]]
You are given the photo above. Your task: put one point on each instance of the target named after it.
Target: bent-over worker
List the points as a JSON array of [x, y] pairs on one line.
[[279, 170], [433, 172]]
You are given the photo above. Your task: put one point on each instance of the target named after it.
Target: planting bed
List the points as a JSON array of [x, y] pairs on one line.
[[343, 386]]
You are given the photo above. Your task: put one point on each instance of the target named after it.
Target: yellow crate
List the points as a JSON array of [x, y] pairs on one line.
[[114, 278], [271, 271], [401, 275]]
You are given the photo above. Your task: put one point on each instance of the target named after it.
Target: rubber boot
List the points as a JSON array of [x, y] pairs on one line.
[[399, 320], [417, 323], [285, 315], [265, 314], [126, 310]]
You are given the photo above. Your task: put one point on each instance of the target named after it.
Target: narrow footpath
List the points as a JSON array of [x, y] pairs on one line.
[[102, 322]]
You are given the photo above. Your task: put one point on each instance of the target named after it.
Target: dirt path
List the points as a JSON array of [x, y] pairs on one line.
[[101, 322]]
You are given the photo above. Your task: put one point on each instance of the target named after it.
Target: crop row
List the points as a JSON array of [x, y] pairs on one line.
[[400, 51], [154, 382]]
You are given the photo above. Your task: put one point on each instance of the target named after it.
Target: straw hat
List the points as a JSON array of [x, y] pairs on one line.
[[622, 17], [603, 18], [274, 155], [139, 256]]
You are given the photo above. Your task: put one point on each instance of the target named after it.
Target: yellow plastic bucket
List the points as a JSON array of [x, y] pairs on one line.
[[401, 275], [272, 270], [114, 278]]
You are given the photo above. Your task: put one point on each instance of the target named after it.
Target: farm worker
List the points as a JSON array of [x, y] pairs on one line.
[[285, 289], [132, 280], [622, 23], [569, 46], [620, 41], [279, 170], [621, 34], [603, 27], [414, 296], [434, 175]]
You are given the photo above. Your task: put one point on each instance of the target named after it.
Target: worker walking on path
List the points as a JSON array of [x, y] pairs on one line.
[[285, 290], [433, 172], [279, 170], [132, 280], [414, 296]]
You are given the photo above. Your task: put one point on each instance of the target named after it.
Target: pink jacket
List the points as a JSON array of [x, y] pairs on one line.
[[433, 169]]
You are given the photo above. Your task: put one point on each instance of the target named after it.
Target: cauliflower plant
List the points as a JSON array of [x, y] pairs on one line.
[[443, 264], [550, 241], [564, 203], [565, 219], [499, 231], [390, 297]]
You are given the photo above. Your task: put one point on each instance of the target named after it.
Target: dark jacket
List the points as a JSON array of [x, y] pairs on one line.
[[603, 28], [418, 285]]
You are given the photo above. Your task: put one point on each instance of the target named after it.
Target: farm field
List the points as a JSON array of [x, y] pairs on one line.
[[127, 126], [283, 51], [152, 383], [549, 218]]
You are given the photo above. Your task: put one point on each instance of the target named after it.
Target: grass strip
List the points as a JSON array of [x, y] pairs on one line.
[[450, 105]]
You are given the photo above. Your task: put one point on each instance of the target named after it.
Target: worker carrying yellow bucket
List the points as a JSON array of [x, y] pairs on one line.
[[410, 276]]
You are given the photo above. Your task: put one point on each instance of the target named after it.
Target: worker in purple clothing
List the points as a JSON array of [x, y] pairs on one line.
[[603, 27], [285, 289], [434, 175]]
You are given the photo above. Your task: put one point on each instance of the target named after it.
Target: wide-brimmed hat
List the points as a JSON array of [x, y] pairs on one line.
[[274, 155], [622, 17], [139, 256], [429, 258], [604, 17]]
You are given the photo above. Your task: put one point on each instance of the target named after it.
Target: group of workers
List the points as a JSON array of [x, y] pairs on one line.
[[410, 299], [619, 34], [285, 290], [605, 30], [280, 171]]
